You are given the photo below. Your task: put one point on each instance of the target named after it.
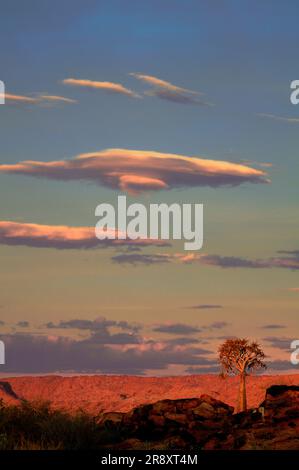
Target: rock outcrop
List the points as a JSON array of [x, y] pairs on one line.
[[7, 394], [207, 423]]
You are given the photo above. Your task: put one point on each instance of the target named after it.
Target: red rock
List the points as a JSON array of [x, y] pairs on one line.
[[102, 393]]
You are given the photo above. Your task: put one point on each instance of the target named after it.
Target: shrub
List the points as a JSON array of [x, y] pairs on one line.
[[35, 425]]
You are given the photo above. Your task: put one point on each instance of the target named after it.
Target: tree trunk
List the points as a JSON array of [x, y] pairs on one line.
[[242, 393]]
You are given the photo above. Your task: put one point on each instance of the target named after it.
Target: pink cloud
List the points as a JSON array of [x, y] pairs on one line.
[[157, 82], [140, 170], [62, 237], [9, 97], [106, 86], [37, 98]]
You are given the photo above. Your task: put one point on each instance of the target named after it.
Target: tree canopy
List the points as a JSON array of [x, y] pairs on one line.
[[240, 356]]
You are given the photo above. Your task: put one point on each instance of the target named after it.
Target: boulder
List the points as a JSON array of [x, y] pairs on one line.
[[282, 403], [207, 423]]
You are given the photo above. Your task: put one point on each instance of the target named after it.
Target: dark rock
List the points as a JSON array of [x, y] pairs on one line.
[[207, 423], [277, 390], [111, 419], [281, 403]]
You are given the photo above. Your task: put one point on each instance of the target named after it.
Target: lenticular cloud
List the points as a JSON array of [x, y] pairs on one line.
[[139, 170]]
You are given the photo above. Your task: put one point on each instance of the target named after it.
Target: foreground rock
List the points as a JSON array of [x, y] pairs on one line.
[[7, 395], [207, 423]]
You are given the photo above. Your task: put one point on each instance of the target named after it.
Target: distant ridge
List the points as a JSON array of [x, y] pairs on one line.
[[103, 393]]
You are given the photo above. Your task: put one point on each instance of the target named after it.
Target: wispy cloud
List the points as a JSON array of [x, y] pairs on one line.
[[285, 262], [9, 97], [280, 365], [36, 99], [150, 259], [176, 329], [157, 82], [176, 97], [226, 262], [279, 342], [255, 163], [140, 258], [167, 91], [273, 326], [161, 258], [62, 237], [216, 325], [289, 252], [140, 170], [23, 324], [55, 99], [204, 306], [99, 323], [292, 120], [110, 87]]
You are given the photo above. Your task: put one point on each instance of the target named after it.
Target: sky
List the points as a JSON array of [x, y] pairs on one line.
[[147, 99]]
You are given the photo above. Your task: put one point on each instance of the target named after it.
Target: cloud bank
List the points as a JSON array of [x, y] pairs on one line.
[[111, 346], [101, 352]]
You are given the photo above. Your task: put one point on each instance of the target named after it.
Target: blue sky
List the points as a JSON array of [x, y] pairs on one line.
[[242, 56]]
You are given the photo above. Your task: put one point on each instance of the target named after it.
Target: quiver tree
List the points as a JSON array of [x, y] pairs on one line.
[[240, 357]]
